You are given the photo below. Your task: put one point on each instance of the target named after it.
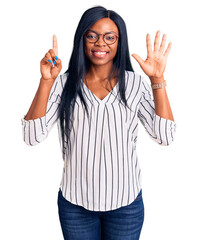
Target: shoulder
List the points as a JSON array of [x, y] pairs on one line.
[[57, 87], [133, 78], [63, 78], [60, 81], [133, 75], [138, 78], [139, 84]]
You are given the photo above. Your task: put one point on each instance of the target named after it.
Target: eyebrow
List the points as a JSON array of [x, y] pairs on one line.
[[104, 33]]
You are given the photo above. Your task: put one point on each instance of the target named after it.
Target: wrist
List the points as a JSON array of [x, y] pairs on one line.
[[155, 80], [46, 84], [49, 81], [158, 85]]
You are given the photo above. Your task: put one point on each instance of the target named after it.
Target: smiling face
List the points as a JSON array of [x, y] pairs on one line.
[[93, 50]]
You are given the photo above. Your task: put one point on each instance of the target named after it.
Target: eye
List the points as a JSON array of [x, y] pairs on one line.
[[110, 36], [91, 36]]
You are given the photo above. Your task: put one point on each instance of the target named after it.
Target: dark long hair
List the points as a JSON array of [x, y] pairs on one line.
[[79, 66]]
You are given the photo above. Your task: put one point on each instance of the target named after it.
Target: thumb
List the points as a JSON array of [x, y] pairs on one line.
[[138, 59]]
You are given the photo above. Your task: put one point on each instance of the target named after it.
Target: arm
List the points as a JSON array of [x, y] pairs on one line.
[[39, 104], [162, 105], [43, 111], [156, 123], [43, 117], [155, 112]]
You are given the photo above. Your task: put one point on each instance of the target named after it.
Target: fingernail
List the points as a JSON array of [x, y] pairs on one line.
[[49, 60], [56, 58], [54, 61]]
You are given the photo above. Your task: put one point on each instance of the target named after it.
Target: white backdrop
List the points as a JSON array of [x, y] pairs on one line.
[[169, 172]]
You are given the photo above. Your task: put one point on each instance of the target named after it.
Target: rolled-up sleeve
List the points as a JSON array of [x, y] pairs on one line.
[[35, 131], [160, 129]]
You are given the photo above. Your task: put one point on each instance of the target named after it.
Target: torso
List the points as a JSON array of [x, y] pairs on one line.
[[99, 89]]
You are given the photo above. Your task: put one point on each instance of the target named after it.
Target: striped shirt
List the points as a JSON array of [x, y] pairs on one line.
[[103, 172]]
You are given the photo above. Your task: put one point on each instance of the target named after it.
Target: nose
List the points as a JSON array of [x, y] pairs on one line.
[[100, 40]]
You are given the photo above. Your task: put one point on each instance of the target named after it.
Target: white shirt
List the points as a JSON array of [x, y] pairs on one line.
[[103, 172]]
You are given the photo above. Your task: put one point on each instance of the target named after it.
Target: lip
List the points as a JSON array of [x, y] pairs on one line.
[[97, 55], [99, 50]]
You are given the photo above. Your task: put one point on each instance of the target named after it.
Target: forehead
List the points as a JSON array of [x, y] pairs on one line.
[[104, 25]]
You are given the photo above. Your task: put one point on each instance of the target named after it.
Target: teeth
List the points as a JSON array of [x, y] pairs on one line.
[[100, 52]]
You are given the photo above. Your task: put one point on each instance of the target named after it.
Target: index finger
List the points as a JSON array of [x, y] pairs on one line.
[[55, 45]]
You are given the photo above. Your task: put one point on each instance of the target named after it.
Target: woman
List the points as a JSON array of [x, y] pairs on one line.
[[97, 103]]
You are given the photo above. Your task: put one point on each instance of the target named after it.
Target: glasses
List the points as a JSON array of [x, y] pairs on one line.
[[109, 37]]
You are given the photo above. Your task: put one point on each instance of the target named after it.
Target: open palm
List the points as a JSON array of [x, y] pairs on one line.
[[155, 63]]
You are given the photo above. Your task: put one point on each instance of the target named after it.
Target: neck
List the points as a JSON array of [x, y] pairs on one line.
[[99, 72]]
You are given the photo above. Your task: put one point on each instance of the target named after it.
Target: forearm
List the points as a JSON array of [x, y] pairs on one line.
[[162, 105], [39, 103]]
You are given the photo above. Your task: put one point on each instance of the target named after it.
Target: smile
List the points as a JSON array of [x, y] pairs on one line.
[[99, 54]]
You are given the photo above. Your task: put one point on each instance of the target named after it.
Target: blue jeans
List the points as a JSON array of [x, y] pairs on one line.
[[78, 223]]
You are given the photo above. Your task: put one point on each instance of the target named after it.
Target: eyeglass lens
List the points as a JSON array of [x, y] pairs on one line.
[[109, 38]]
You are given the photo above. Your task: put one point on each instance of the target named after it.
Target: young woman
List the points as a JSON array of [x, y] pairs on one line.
[[98, 102]]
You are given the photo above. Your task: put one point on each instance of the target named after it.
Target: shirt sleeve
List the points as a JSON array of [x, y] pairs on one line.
[[160, 129], [35, 131]]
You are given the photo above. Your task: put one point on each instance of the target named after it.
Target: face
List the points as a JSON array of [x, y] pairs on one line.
[[92, 49]]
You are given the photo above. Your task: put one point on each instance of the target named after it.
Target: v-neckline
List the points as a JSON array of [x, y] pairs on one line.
[[107, 96]]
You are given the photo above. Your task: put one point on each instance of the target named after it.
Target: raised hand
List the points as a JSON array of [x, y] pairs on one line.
[[49, 70], [155, 63]]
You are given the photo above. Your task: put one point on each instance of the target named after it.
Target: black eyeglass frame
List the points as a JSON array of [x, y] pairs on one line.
[[98, 36]]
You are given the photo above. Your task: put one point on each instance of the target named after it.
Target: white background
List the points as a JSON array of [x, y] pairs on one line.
[[30, 176]]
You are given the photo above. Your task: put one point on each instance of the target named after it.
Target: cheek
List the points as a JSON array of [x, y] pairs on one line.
[[114, 51], [86, 47], [86, 50]]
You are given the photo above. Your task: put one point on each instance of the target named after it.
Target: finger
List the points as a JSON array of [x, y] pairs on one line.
[[168, 49], [52, 53], [138, 59], [46, 61], [54, 57], [162, 46], [55, 45], [48, 55], [46, 58], [156, 43], [148, 44]]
